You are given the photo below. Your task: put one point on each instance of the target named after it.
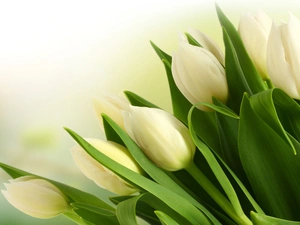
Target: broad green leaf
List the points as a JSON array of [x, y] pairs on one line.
[[271, 167], [259, 219], [265, 104], [136, 100], [237, 83], [251, 75], [152, 170], [181, 205], [165, 219], [217, 170]]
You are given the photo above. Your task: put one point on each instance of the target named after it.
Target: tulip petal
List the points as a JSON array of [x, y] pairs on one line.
[[101, 175], [37, 197], [278, 62], [208, 43], [112, 106], [201, 74], [163, 138], [291, 34], [254, 32]]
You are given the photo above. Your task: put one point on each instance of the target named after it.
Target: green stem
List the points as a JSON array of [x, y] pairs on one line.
[[216, 195]]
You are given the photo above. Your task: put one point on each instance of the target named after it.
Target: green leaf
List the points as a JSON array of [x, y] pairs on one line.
[[161, 54], [259, 219], [192, 40], [143, 210], [181, 205], [251, 75], [236, 81], [126, 209], [228, 134], [222, 109], [165, 219], [136, 100], [271, 167], [180, 104], [92, 217], [93, 208], [216, 168], [265, 104]]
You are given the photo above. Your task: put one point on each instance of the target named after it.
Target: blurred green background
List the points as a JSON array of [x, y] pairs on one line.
[[55, 56]]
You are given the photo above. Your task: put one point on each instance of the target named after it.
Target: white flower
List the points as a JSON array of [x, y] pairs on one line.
[[283, 56], [101, 175], [207, 43], [254, 32], [199, 75], [36, 197], [110, 105], [162, 137]]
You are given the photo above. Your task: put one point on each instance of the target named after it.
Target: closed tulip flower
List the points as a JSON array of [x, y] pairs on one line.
[[162, 137], [101, 175], [254, 32], [110, 105], [199, 75], [283, 56], [36, 197]]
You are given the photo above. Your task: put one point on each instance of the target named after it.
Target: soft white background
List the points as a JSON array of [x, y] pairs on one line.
[[55, 56]]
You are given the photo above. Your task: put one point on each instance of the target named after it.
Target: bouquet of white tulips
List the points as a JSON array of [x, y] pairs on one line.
[[229, 153]]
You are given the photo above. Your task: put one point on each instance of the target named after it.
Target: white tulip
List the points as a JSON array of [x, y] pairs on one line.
[[254, 32], [101, 175], [162, 137], [110, 105], [283, 56], [208, 43], [199, 75], [36, 197]]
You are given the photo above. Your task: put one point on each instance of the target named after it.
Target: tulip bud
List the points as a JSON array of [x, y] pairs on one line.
[[110, 105], [199, 75], [36, 197], [162, 137], [283, 56], [207, 43], [101, 175], [254, 32]]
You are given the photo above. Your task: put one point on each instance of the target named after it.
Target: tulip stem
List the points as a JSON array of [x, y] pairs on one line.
[[216, 195]]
